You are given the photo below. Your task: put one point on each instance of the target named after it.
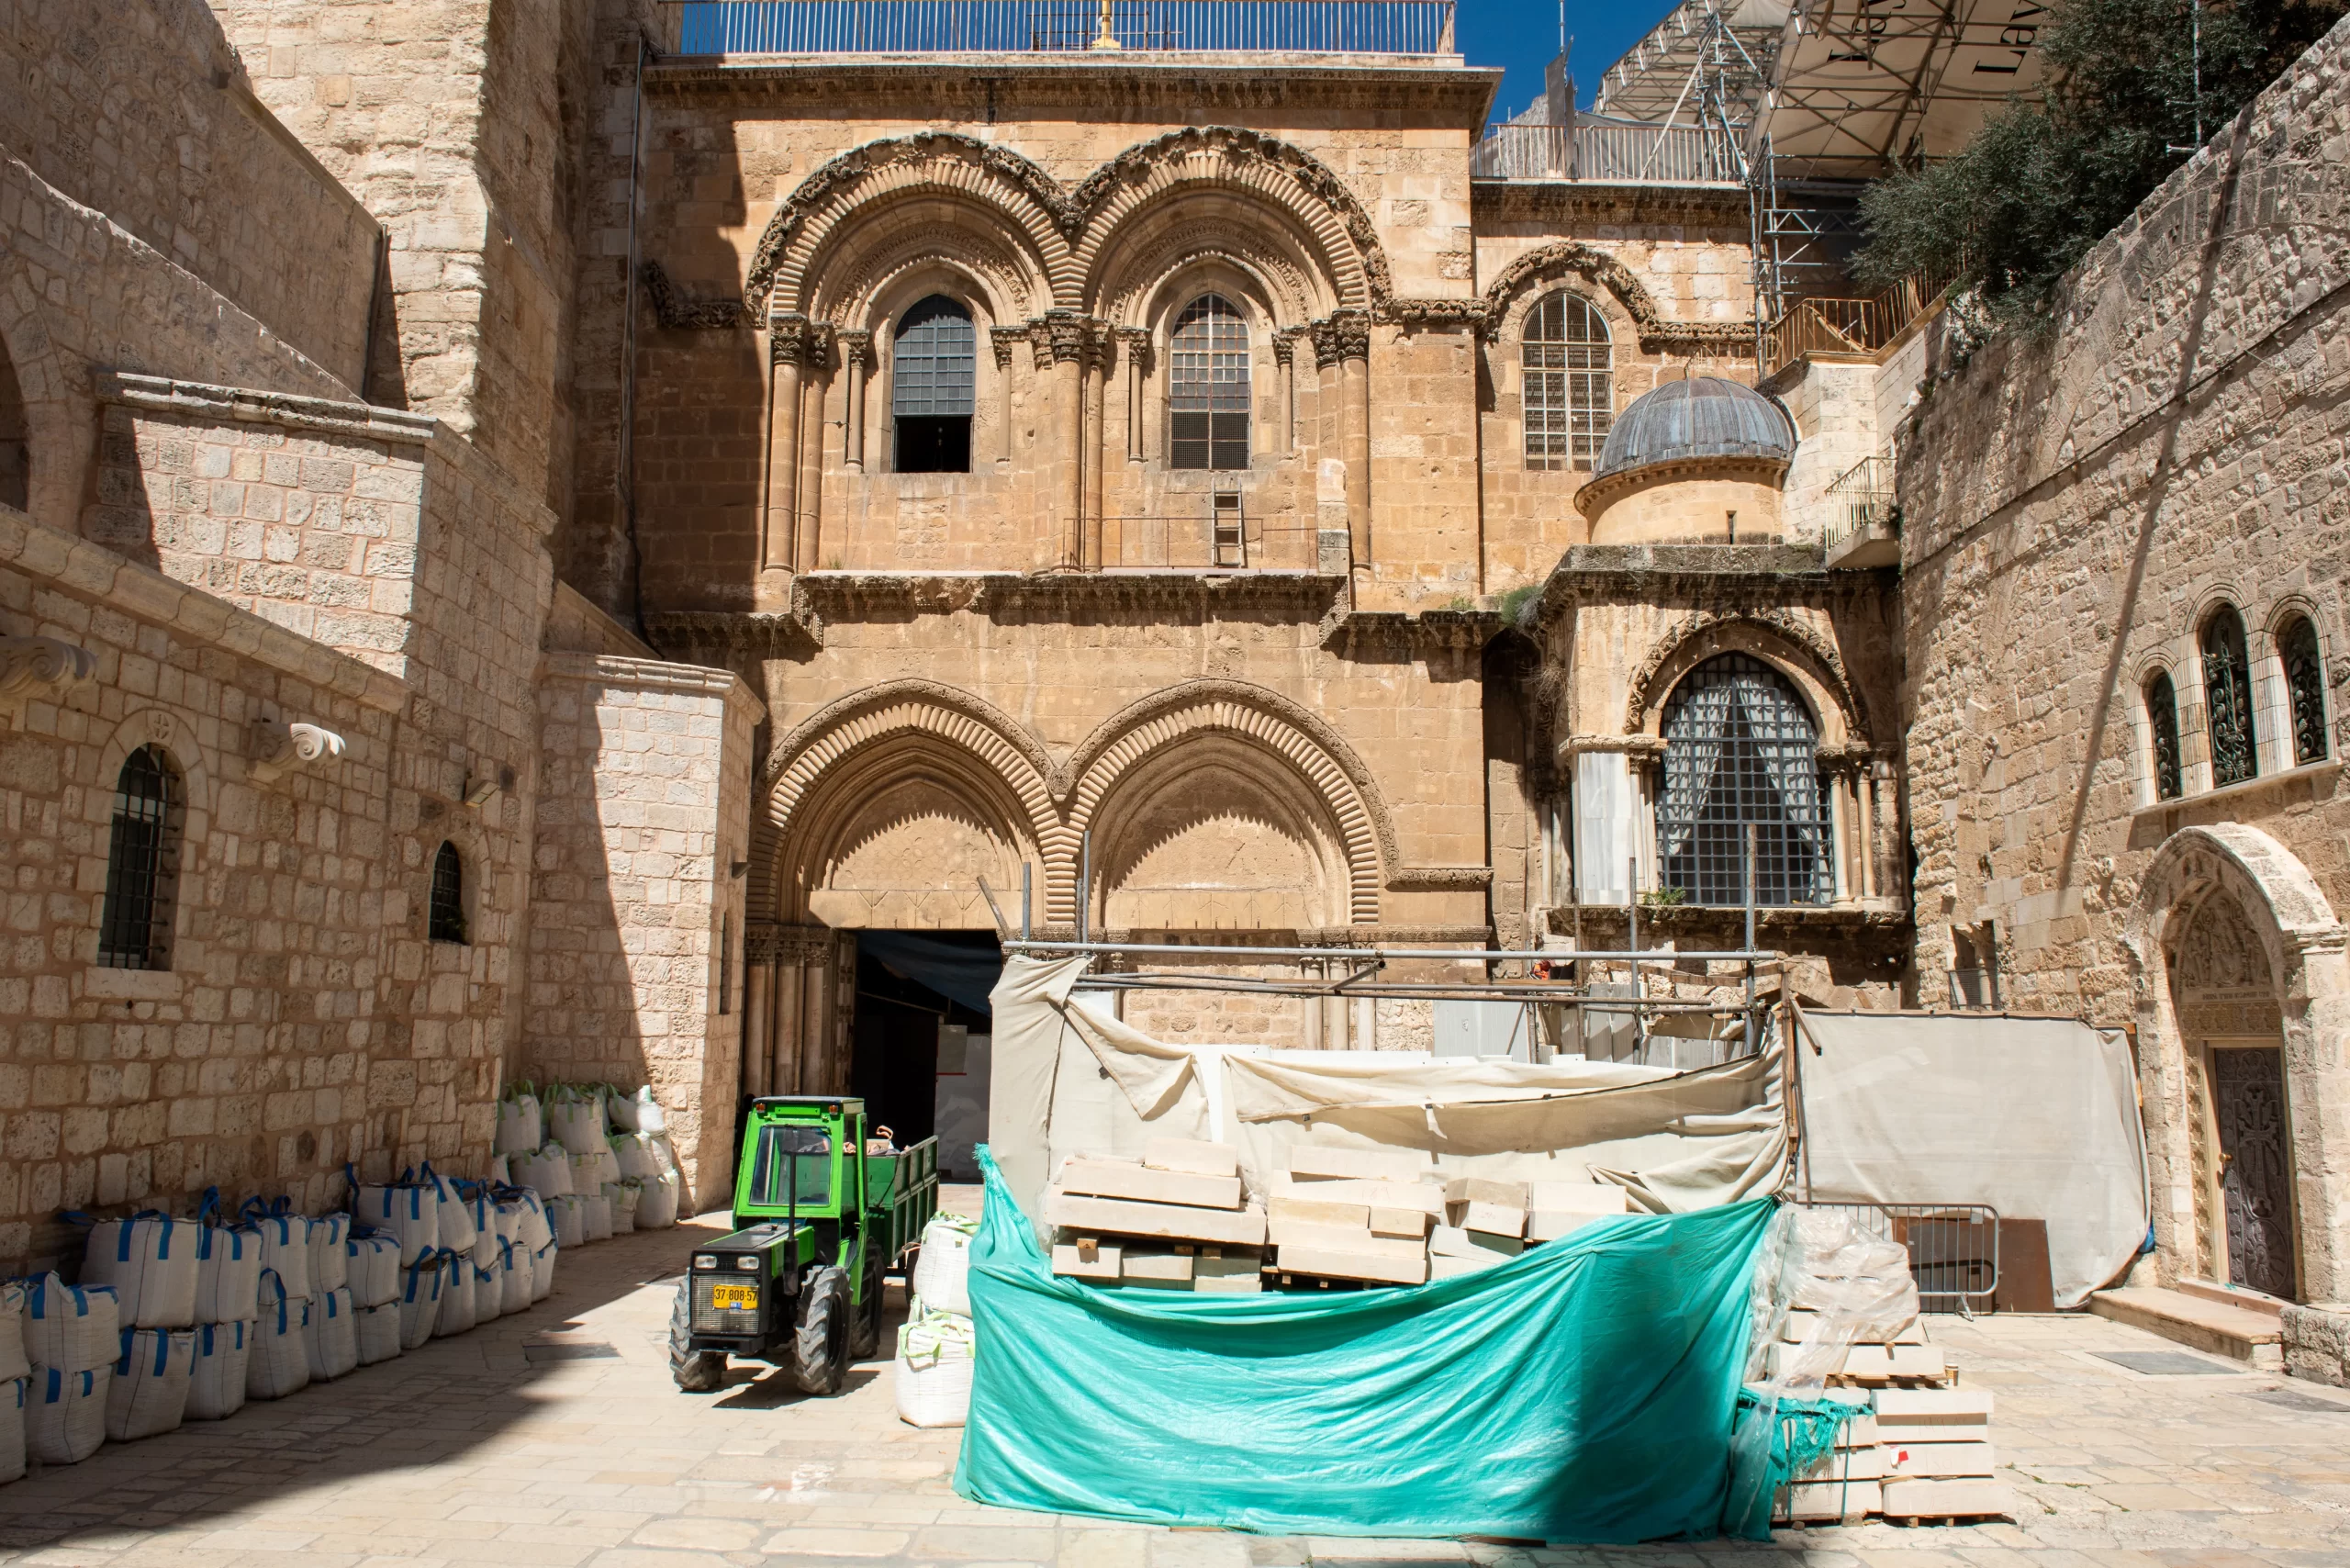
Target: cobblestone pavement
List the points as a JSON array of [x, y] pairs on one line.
[[504, 1447]]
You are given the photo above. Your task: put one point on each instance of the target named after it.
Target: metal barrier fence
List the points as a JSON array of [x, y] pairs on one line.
[[1621, 154], [1024, 26], [1860, 498], [1953, 1248]]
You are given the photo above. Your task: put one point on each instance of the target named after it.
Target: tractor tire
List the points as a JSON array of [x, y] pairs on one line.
[[695, 1371], [820, 1346], [865, 1329]]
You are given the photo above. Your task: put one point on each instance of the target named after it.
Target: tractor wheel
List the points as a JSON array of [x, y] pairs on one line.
[[865, 1331], [819, 1347], [697, 1371]]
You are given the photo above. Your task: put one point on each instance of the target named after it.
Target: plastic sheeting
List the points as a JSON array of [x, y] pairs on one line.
[[1070, 1079], [1581, 1390], [2037, 1118]]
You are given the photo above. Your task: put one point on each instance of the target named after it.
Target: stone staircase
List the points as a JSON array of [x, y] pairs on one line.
[[2224, 1320]]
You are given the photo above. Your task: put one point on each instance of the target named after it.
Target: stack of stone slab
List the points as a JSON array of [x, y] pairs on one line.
[[1350, 1213], [1878, 1360], [1912, 1454], [1173, 1219]]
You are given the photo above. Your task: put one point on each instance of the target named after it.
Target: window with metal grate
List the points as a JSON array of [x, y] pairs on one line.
[[142, 864], [1740, 749], [2297, 649], [2162, 718], [933, 371], [445, 915], [1570, 401], [1208, 387], [2227, 693]]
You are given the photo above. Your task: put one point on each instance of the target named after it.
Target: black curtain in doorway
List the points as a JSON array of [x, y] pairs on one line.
[[908, 983]]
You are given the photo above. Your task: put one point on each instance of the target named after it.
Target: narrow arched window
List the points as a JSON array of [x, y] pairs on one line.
[[1740, 751], [932, 375], [1208, 387], [2227, 694], [2304, 687], [445, 915], [1569, 383], [2162, 721], [142, 864]]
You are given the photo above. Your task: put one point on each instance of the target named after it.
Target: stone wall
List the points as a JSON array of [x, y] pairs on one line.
[[143, 112]]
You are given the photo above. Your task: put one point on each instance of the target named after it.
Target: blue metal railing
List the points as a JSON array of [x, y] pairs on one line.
[[1024, 26]]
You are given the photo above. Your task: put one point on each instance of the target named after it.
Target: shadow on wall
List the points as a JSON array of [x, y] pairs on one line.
[[16, 448]]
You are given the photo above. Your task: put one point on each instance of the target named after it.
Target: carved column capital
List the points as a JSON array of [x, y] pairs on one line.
[[790, 336], [1003, 339], [1070, 335], [856, 345], [1341, 335], [28, 665], [1135, 342]]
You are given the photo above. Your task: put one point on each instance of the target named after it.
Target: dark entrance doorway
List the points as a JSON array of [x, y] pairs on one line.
[[921, 1002], [2256, 1173]]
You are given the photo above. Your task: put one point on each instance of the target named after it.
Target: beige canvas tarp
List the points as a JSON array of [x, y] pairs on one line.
[[1072, 1080], [2037, 1118]]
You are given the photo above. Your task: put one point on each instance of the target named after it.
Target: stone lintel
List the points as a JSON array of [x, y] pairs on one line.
[[614, 670], [848, 596], [1464, 630]]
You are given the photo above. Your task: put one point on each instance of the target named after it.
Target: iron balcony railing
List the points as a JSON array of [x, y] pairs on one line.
[[1613, 153], [1860, 499], [1863, 327], [1028, 26]]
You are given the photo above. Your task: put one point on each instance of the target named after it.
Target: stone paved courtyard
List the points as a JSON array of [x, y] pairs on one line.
[[553, 1440]]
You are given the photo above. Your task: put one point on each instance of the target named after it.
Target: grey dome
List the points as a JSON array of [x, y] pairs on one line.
[[1700, 416]]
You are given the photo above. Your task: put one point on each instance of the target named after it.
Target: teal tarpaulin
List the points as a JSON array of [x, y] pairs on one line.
[[1584, 1391]]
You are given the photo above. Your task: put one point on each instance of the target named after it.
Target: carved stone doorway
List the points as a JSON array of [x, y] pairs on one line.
[[2256, 1176]]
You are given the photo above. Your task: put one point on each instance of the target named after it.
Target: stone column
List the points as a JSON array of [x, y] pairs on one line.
[[1135, 341], [1101, 353], [856, 354], [759, 980], [807, 500], [786, 348], [1285, 356], [783, 1044], [1063, 350], [1003, 339], [1353, 327], [1870, 869], [1840, 831]]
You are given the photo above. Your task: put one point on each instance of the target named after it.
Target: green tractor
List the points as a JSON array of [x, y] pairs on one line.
[[818, 1222]]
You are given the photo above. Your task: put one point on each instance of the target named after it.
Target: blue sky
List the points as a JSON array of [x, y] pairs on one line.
[[1522, 35]]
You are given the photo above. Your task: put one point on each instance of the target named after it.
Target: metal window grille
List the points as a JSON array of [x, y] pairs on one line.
[[2162, 717], [1569, 383], [2227, 690], [135, 923], [445, 916], [936, 361], [2305, 686], [1740, 749], [1208, 394]]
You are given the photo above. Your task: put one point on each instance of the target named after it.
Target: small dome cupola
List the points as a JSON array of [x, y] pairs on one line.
[[1698, 460]]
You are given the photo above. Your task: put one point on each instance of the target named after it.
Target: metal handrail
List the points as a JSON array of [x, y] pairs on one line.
[[1616, 154], [1837, 326], [1423, 28], [1953, 1248], [1861, 497]]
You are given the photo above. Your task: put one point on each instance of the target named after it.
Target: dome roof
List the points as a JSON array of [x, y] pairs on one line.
[[1699, 416]]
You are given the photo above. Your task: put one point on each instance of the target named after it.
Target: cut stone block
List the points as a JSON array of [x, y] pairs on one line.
[[1101, 1268], [1860, 1432], [1288, 1205], [1492, 1218], [1480, 1189], [1847, 1465], [1424, 1196], [1800, 1321], [1832, 1500], [1250, 1283], [1938, 1460], [1226, 1266], [1947, 1499], [1554, 1224], [1158, 1268], [1445, 1265], [1410, 1223], [1368, 1164], [1580, 1198], [1191, 1157], [1121, 1178], [1454, 1241], [1932, 1407], [1895, 1361], [1351, 1265], [1119, 1217], [1342, 1238]]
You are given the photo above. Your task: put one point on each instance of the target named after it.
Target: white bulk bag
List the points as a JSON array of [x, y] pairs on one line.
[[576, 1118], [515, 1260], [506, 1217], [150, 1260], [14, 1363], [330, 1336], [330, 1264], [285, 1247], [11, 1426], [646, 1115], [933, 1369], [656, 1204], [501, 1173], [378, 1332], [228, 1273], [482, 1209], [373, 1265], [591, 1171], [456, 1220], [547, 1172], [276, 1362], [148, 1395], [595, 1215], [941, 1272], [489, 1291], [664, 1153], [518, 1124], [621, 1196], [456, 1296], [409, 1211], [530, 1227], [420, 1301], [216, 1385], [71, 1327], [65, 1414], [542, 1271], [567, 1217], [633, 1151]]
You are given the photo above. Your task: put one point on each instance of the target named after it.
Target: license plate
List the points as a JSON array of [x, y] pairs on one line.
[[734, 1298]]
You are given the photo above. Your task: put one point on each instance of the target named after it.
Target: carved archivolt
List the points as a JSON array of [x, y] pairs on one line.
[[848, 295], [1568, 259], [1652, 685], [1289, 294]]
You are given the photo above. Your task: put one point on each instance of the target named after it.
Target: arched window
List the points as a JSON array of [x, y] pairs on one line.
[[142, 864], [2297, 649], [2161, 719], [2227, 694], [1569, 383], [445, 915], [1208, 387], [931, 382], [1740, 750]]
